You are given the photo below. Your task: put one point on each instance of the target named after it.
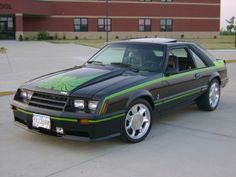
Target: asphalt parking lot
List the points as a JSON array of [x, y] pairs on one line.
[[187, 142]]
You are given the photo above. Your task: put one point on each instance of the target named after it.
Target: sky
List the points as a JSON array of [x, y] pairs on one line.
[[228, 10]]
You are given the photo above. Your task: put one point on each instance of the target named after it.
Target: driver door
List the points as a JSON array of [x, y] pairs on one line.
[[182, 86]]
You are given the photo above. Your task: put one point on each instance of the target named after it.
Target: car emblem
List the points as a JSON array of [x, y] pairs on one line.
[[64, 93]]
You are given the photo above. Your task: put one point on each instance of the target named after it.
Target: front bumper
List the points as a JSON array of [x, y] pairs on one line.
[[98, 128]]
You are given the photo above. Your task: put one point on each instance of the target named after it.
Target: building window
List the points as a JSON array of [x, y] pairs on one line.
[[104, 24], [166, 0], [166, 25], [146, 0], [144, 25], [81, 24], [7, 27]]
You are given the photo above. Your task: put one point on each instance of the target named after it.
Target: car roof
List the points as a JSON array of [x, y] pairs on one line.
[[153, 40], [160, 41]]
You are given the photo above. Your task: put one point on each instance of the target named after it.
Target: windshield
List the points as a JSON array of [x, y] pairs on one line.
[[141, 57]]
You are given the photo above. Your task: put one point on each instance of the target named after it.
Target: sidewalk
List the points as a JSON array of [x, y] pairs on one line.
[[27, 60]]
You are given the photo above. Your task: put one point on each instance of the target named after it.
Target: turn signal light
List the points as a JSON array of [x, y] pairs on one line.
[[84, 121]]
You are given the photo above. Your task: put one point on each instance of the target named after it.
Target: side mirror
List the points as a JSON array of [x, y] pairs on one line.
[[171, 71]]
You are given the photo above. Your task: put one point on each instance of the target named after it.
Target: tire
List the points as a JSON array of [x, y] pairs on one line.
[[209, 101], [138, 121]]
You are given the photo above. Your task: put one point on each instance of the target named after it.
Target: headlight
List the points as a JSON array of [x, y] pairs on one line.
[[29, 94], [23, 94], [26, 94], [92, 105], [79, 104]]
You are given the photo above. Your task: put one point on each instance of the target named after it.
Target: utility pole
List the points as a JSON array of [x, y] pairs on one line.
[[106, 22], [235, 34]]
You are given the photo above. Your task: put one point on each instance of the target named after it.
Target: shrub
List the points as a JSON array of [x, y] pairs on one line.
[[20, 38], [182, 36], [55, 36], [43, 35], [64, 36], [226, 33], [76, 37], [26, 38], [51, 37], [2, 50]]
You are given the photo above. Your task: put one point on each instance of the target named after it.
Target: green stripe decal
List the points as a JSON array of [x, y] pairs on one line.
[[218, 64], [107, 119], [75, 120], [51, 117], [177, 97], [64, 82], [63, 119], [25, 112]]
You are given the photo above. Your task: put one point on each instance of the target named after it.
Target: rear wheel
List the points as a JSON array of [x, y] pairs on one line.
[[138, 121], [210, 100]]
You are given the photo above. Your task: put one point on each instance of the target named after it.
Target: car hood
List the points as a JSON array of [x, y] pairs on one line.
[[83, 81]]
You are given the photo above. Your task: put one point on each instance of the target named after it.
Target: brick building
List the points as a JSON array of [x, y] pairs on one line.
[[126, 18]]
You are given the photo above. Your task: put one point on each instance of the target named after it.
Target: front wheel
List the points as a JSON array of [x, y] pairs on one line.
[[138, 121], [210, 100]]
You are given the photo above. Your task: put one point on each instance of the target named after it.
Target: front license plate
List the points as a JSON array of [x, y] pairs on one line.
[[41, 121]]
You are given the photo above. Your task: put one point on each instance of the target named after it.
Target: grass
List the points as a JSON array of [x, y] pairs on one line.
[[222, 42], [2, 50]]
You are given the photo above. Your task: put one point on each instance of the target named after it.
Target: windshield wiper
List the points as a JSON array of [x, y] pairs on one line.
[[126, 65], [95, 62]]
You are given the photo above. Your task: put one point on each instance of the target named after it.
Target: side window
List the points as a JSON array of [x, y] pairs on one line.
[[198, 61], [185, 61]]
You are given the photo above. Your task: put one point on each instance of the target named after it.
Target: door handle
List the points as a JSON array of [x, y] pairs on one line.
[[197, 76]]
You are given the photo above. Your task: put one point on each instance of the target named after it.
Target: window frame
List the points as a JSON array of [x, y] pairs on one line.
[[144, 25], [166, 25], [203, 61], [166, 0], [104, 25], [186, 47], [80, 24]]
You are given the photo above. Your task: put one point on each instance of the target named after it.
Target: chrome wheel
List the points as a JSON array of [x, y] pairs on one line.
[[214, 95], [137, 121]]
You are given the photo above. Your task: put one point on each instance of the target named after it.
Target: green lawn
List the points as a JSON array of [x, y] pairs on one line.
[[222, 42]]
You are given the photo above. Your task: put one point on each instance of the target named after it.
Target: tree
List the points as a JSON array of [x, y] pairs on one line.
[[230, 25]]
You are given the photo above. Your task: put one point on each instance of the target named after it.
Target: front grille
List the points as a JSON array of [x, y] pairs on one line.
[[46, 101]]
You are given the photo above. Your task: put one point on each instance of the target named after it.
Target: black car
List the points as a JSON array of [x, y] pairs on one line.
[[121, 89]]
